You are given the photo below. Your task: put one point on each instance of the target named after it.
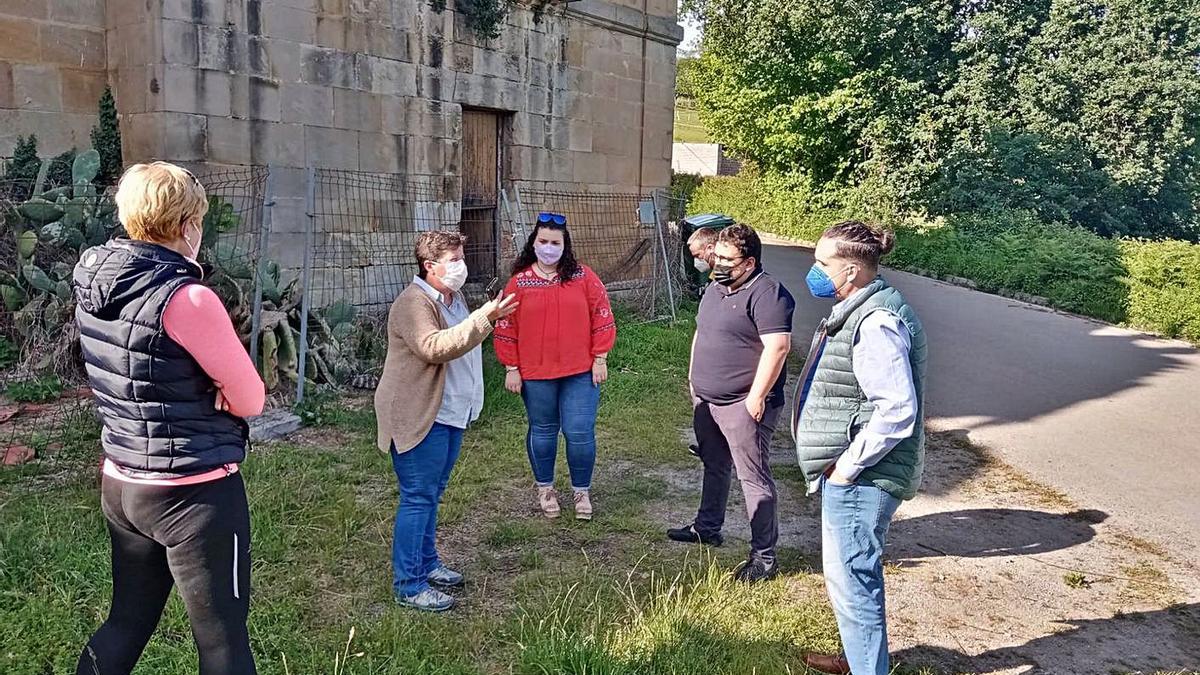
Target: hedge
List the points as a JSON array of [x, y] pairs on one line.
[[1148, 285]]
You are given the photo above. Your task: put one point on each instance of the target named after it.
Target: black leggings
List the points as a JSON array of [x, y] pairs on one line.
[[194, 536]]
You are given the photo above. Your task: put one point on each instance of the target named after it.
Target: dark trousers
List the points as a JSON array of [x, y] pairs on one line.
[[195, 537], [730, 438]]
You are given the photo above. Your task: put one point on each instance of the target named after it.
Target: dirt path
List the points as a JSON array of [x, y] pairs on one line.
[[990, 572]]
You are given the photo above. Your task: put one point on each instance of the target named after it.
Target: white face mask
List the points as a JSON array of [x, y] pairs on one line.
[[702, 266], [195, 247], [455, 275]]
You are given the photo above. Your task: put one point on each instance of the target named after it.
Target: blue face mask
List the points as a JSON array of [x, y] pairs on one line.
[[819, 283]]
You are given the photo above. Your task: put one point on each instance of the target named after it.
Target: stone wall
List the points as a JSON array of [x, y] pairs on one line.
[[52, 71]]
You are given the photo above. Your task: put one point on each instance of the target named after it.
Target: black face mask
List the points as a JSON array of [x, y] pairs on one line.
[[723, 274]]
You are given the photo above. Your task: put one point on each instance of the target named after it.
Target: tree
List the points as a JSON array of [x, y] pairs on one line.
[[1080, 110], [106, 139]]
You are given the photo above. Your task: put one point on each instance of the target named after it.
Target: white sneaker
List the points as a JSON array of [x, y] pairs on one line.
[[444, 576], [428, 600]]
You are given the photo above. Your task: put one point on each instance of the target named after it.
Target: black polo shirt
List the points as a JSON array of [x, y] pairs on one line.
[[728, 338]]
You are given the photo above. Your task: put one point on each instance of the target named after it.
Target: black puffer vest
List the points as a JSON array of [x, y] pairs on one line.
[[156, 404]]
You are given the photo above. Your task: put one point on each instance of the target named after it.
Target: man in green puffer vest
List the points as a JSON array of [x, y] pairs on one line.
[[858, 422]]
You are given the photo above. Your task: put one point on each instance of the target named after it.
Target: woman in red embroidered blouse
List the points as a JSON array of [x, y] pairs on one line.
[[555, 349]]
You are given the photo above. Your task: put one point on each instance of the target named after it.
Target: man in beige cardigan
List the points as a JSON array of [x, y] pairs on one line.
[[430, 392]]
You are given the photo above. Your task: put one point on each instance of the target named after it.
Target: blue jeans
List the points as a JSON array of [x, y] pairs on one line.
[[423, 473], [854, 525], [569, 405]]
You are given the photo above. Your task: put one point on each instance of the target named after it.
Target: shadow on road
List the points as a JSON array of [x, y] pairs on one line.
[[993, 360], [980, 533], [1166, 641]]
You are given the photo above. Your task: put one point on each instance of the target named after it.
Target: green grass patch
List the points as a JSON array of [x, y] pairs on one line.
[[41, 389], [609, 596]]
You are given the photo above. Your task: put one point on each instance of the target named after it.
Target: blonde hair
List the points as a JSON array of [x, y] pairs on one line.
[[154, 201]]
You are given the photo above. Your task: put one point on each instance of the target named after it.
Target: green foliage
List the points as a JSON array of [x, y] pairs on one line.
[[485, 18], [1082, 112], [1151, 285], [41, 389], [106, 139], [8, 353]]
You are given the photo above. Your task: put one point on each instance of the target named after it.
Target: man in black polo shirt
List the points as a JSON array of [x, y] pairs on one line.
[[743, 334]]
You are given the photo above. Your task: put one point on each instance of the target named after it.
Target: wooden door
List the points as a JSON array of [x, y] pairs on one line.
[[481, 183]]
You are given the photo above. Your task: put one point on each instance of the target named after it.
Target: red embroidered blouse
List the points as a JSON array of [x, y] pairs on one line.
[[558, 327]]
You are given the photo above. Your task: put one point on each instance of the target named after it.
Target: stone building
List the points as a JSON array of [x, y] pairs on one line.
[[576, 98]]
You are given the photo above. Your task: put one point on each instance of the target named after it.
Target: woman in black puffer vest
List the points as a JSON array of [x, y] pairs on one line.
[[172, 383]]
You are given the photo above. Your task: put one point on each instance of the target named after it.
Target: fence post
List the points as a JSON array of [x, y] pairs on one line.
[[264, 234], [662, 242], [310, 208]]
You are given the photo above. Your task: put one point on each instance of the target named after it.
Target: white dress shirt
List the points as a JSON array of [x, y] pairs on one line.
[[462, 399], [883, 371]]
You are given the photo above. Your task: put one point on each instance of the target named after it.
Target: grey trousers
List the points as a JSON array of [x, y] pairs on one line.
[[728, 438]]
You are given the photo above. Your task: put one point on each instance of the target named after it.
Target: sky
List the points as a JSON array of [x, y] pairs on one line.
[[691, 36]]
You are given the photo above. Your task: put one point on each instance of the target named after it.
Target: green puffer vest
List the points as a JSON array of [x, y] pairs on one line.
[[835, 407]]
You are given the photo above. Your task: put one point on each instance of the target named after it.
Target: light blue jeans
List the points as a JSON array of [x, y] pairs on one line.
[[854, 526]]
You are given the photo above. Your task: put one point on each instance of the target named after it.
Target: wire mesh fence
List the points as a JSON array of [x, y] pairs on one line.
[[310, 298], [45, 406]]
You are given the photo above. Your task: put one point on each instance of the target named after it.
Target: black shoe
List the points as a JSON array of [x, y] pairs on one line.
[[689, 535], [753, 571], [694, 451]]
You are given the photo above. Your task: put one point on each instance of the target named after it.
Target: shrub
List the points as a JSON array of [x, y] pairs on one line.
[[1149, 285]]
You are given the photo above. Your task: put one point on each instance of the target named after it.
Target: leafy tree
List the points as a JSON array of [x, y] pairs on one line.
[[1077, 110]]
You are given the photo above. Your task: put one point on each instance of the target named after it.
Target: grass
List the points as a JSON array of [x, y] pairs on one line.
[[41, 389], [689, 128], [610, 596]]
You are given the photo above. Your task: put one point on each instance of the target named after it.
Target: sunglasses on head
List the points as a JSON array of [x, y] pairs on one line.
[[556, 218]]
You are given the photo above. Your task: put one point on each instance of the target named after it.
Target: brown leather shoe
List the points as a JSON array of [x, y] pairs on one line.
[[828, 663]]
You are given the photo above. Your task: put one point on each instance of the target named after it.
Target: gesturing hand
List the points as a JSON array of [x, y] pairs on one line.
[[501, 307]]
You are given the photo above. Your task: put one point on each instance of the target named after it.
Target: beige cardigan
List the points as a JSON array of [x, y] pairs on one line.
[[414, 372]]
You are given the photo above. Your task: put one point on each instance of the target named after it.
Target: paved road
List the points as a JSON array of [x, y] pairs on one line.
[[1108, 416]]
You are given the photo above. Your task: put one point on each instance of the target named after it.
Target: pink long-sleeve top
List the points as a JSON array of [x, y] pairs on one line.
[[198, 322]]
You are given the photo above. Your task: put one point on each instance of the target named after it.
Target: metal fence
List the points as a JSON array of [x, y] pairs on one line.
[[307, 289]]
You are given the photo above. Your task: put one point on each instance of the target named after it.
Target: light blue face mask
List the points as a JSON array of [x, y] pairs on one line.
[[820, 284]]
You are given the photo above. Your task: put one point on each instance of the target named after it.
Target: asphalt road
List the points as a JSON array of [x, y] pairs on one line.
[[1109, 417]]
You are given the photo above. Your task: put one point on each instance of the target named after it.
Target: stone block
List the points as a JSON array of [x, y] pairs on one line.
[[591, 168], [307, 104], [273, 425], [538, 101], [219, 48], [180, 42], [276, 144], [656, 173], [255, 98], [437, 84], [289, 23], [331, 148], [18, 40], [122, 12], [37, 87], [331, 32], [133, 42], [357, 110], [177, 137], [580, 136], [210, 12], [629, 91], [79, 12], [82, 89], [328, 67], [229, 141], [380, 153], [283, 60], [391, 77], [388, 42], [394, 115], [623, 170], [56, 131], [26, 9], [332, 7], [529, 129]]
